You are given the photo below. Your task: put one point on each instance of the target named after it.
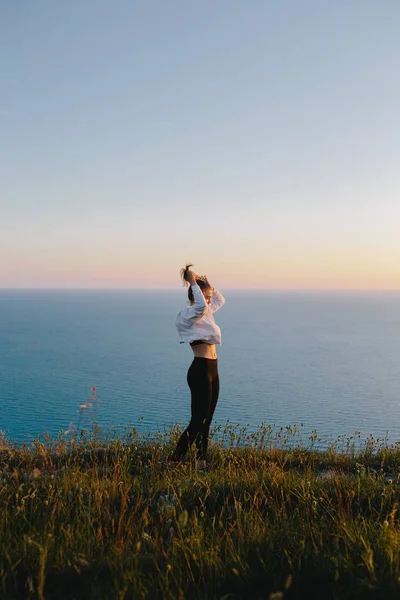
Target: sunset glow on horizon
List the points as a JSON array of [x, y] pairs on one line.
[[277, 273]]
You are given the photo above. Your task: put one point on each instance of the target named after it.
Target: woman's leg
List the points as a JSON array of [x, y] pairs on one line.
[[202, 450], [200, 385]]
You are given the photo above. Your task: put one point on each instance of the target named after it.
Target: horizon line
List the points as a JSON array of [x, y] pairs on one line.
[[169, 289]]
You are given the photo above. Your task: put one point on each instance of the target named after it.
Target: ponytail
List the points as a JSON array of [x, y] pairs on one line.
[[184, 273]]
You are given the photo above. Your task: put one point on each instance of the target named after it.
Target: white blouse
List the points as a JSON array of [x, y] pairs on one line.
[[196, 321]]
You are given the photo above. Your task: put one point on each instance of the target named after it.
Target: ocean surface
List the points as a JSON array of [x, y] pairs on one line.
[[324, 361]]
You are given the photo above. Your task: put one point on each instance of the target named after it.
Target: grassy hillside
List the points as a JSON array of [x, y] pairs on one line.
[[94, 518]]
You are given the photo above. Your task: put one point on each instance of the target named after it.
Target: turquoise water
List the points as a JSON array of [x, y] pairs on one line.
[[328, 361]]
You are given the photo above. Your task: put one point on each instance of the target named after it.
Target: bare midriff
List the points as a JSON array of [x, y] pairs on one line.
[[205, 351]]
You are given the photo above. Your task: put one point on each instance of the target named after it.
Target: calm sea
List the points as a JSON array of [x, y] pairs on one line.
[[324, 361]]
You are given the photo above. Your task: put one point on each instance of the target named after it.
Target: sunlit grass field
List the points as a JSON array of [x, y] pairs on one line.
[[107, 517]]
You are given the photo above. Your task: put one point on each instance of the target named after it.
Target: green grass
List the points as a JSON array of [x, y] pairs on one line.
[[109, 519]]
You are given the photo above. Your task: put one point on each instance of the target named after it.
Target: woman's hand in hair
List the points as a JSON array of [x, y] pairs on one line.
[[190, 277], [204, 278]]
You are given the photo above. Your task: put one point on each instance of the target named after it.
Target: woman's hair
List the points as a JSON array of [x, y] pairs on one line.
[[184, 273], [202, 284]]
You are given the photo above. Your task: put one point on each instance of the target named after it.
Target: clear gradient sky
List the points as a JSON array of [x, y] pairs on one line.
[[259, 139]]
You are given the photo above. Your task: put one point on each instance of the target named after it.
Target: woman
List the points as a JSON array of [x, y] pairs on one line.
[[196, 325]]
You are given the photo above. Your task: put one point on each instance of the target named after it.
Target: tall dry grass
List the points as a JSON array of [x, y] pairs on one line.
[[87, 516]]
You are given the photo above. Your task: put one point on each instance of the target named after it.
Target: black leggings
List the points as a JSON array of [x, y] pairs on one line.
[[203, 381]]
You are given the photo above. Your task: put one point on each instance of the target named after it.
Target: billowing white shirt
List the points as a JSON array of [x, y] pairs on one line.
[[196, 321]]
